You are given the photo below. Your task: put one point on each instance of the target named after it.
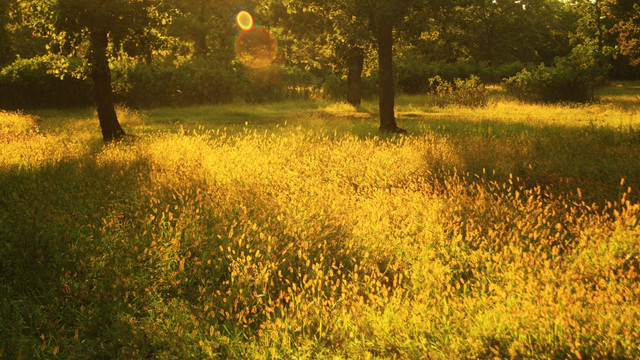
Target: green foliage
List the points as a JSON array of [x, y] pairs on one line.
[[573, 78], [627, 16], [194, 82], [41, 82], [334, 87], [462, 92], [493, 31], [276, 83], [28, 28], [413, 76], [4, 34], [204, 26], [121, 19], [51, 81], [205, 82], [504, 71]]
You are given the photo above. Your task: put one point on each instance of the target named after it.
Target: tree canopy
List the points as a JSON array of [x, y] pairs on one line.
[[99, 28], [627, 16], [179, 50]]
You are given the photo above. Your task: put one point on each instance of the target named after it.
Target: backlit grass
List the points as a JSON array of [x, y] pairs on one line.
[[294, 231]]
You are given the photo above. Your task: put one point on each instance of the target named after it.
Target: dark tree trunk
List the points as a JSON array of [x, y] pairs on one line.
[[200, 36], [4, 35], [385, 72], [354, 76], [102, 91]]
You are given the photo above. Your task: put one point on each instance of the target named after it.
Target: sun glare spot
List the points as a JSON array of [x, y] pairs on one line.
[[244, 20]]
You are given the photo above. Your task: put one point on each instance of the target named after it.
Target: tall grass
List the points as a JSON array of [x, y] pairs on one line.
[[484, 234]]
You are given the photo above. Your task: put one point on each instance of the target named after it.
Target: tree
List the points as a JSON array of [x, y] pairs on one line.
[[98, 27], [627, 16], [504, 31], [355, 66], [383, 16], [25, 28], [204, 24], [347, 25], [382, 23], [592, 22], [4, 36], [438, 32], [323, 36]]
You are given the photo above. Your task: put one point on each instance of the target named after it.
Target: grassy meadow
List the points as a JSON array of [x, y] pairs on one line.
[[295, 231]]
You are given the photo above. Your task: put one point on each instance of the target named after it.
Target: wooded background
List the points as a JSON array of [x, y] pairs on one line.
[[179, 52]]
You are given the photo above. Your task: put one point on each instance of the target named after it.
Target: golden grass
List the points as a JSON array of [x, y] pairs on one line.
[[287, 242]]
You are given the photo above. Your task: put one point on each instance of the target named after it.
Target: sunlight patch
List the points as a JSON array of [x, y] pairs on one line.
[[341, 108]]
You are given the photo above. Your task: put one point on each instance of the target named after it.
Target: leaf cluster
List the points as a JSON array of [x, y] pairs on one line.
[[573, 78], [627, 15], [120, 19]]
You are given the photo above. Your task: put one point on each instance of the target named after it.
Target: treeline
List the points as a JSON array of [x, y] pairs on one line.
[[182, 51]]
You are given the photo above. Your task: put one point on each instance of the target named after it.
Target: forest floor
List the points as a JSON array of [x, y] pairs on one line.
[[296, 231]]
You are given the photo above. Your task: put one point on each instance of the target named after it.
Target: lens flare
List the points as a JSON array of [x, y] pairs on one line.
[[256, 47], [244, 20]]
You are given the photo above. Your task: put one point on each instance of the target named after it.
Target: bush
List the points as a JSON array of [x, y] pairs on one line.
[[572, 79], [334, 87], [464, 92], [413, 76], [504, 71], [195, 82], [43, 81], [206, 82], [277, 83]]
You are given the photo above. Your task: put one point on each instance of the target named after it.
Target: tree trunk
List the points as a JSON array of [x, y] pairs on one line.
[[102, 91], [4, 34], [385, 72], [200, 36], [354, 76]]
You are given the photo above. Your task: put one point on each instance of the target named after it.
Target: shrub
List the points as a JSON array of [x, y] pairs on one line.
[[43, 81], [195, 82], [207, 82], [277, 83], [334, 86], [413, 76], [504, 71], [572, 79], [464, 92]]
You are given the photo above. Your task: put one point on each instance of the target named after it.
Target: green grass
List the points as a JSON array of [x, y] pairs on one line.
[[295, 230]]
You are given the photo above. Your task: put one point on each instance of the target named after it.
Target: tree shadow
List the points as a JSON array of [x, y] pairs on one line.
[[115, 254], [50, 222], [593, 158]]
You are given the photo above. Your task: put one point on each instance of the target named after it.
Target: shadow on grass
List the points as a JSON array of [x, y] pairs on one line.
[[50, 222], [109, 261], [595, 159]]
